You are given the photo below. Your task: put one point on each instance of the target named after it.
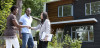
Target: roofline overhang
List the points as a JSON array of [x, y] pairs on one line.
[[76, 21]]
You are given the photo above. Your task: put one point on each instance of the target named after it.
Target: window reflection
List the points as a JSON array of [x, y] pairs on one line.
[[84, 33]]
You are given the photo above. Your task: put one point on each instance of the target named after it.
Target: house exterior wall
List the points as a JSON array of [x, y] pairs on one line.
[[78, 13], [52, 9]]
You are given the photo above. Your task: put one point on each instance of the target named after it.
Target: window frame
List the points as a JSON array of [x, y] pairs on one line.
[[63, 11], [81, 31], [90, 9]]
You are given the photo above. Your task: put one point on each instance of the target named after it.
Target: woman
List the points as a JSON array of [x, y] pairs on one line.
[[10, 32], [44, 26]]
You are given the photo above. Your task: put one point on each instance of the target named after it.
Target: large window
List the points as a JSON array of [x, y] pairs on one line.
[[92, 8], [84, 33], [65, 10]]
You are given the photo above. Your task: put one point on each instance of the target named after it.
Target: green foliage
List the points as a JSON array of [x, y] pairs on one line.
[[2, 41], [35, 5], [67, 43], [20, 40], [54, 43], [37, 36], [67, 40], [4, 12]]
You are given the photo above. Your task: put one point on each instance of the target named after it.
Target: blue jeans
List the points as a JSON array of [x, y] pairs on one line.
[[27, 39]]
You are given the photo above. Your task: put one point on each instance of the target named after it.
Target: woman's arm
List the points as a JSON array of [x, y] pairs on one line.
[[35, 28]]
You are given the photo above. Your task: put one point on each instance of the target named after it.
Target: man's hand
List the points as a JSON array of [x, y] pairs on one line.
[[28, 27]]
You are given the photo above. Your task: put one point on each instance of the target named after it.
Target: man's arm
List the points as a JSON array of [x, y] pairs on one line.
[[20, 35]]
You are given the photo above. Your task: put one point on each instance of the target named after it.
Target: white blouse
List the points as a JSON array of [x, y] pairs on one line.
[[45, 27]]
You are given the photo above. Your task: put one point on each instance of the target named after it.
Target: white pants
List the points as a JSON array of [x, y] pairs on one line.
[[14, 42]]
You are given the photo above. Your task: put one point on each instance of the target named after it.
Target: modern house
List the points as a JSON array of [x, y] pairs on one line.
[[78, 18]]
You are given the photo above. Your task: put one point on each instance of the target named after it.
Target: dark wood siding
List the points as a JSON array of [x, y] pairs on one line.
[[52, 9]]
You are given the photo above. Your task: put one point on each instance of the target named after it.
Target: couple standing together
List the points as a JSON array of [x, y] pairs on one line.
[[26, 35]]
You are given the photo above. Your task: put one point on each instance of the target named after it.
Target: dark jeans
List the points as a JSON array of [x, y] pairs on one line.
[[43, 44], [27, 39]]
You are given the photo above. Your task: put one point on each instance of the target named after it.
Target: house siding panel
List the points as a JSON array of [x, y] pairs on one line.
[[53, 11], [78, 13]]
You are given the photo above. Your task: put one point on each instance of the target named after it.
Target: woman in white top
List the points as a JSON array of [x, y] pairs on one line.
[[44, 26]]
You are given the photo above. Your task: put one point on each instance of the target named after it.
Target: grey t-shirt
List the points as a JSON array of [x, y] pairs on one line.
[[10, 31]]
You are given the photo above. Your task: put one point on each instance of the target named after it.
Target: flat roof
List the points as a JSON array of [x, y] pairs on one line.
[[52, 1], [93, 20]]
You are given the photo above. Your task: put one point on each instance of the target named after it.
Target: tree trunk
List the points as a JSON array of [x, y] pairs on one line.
[[19, 5]]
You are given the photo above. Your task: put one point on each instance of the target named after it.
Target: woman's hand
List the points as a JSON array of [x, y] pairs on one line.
[[31, 28], [46, 37]]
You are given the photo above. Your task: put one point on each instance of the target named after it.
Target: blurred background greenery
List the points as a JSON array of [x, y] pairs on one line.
[[5, 5]]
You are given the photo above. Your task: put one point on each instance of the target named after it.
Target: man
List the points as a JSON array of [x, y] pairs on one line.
[[27, 38]]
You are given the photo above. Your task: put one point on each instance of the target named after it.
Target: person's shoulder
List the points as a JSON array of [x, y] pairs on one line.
[[47, 20], [11, 15], [31, 16], [22, 16]]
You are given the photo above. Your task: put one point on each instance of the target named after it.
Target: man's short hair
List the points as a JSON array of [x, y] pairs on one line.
[[13, 8], [28, 9]]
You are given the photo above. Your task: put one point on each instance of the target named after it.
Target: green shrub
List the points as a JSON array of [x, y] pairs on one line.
[[20, 40], [54, 43], [71, 43], [37, 37], [4, 12], [67, 43]]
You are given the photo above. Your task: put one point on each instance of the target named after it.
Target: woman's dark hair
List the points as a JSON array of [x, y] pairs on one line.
[[13, 8], [45, 16]]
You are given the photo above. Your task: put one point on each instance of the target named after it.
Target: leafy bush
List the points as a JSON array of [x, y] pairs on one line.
[[67, 43], [54, 43], [20, 40], [37, 36], [5, 6]]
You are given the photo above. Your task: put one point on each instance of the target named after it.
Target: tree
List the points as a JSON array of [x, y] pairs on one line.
[[35, 5], [19, 5], [5, 6]]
